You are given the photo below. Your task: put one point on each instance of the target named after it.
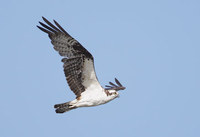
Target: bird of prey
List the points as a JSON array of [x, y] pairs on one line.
[[79, 71]]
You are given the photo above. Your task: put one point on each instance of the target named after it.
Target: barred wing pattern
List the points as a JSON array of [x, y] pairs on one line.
[[73, 74], [74, 56]]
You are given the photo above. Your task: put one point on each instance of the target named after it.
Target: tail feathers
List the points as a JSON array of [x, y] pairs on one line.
[[64, 107], [62, 110]]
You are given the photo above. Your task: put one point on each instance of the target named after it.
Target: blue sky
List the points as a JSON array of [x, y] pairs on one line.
[[152, 47]]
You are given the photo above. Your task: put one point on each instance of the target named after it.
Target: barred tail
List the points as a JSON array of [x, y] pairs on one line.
[[64, 107]]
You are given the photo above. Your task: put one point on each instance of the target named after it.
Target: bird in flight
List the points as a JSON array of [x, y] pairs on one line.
[[79, 71]]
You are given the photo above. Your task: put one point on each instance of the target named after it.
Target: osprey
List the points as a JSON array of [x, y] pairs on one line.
[[79, 71]]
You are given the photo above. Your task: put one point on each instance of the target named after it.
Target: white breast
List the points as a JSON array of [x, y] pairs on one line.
[[93, 96]]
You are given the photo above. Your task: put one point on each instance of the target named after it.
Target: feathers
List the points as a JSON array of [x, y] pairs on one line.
[[79, 70], [64, 107], [75, 55], [73, 73], [66, 45], [113, 86]]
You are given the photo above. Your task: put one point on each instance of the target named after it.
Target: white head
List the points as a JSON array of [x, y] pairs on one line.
[[112, 89], [111, 94]]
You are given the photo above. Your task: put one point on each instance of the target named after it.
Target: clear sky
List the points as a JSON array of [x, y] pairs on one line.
[[152, 47]]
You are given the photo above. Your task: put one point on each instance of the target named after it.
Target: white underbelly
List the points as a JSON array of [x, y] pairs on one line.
[[93, 98]]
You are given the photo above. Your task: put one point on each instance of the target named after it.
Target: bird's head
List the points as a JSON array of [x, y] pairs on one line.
[[113, 89], [113, 93]]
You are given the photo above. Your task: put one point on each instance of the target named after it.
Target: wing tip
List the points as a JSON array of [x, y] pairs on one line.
[[114, 86]]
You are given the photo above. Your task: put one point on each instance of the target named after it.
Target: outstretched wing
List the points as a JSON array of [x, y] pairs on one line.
[[78, 62], [113, 86]]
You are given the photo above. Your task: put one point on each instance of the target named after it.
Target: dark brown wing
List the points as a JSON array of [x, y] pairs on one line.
[[77, 59], [73, 73], [66, 45], [113, 86]]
